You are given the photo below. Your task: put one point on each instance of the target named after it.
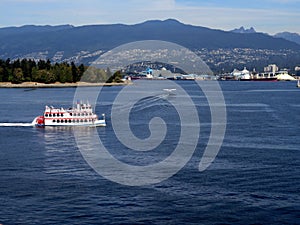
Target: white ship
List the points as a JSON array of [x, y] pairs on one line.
[[80, 115]]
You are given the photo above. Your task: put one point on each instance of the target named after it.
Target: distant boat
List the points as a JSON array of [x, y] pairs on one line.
[[260, 79], [170, 91]]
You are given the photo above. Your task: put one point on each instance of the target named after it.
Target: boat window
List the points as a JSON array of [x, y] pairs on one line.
[[85, 120], [70, 121], [62, 115], [81, 121], [53, 121], [70, 114], [58, 121]]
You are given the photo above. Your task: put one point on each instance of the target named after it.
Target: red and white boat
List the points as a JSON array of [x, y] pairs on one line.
[[80, 115]]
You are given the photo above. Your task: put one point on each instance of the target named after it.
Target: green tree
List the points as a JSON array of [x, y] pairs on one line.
[[65, 73], [74, 72], [17, 77], [81, 70], [1, 74], [115, 78], [48, 64], [26, 70], [35, 75], [18, 71], [90, 75], [42, 65], [16, 64], [108, 72]]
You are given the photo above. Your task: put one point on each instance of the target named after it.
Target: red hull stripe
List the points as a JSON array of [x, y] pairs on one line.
[[65, 118]]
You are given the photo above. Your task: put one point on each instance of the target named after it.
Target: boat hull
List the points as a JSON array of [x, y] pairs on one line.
[[260, 79], [97, 123]]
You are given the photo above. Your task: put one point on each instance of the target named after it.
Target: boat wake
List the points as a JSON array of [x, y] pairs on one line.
[[144, 103], [16, 124]]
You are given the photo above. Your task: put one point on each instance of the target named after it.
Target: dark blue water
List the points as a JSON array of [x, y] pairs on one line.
[[255, 178]]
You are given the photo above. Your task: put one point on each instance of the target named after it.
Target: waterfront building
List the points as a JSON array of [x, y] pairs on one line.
[[272, 68]]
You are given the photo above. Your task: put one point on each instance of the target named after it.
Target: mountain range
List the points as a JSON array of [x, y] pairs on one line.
[[294, 37], [242, 30], [83, 43]]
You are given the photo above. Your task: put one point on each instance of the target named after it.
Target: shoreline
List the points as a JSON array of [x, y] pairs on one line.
[[57, 85]]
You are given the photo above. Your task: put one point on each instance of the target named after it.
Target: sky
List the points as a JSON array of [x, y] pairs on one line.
[[269, 16]]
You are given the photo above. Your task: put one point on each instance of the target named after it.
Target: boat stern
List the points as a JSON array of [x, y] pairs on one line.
[[39, 121]]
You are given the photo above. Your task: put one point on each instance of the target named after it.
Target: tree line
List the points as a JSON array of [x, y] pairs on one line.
[[43, 71]]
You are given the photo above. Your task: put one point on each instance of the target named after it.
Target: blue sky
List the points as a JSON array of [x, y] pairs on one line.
[[269, 16]]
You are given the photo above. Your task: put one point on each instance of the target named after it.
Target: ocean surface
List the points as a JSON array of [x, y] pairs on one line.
[[255, 178]]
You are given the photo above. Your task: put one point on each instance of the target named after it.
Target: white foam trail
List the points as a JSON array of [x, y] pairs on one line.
[[16, 124]]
